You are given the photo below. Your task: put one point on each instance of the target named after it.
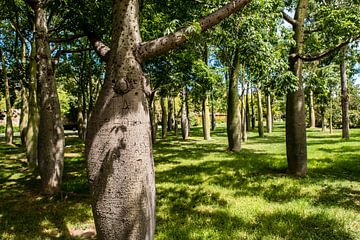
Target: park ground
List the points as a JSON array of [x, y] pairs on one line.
[[203, 191]]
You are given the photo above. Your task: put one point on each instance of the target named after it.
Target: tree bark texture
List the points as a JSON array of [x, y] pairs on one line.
[[312, 109], [243, 108], [260, 114], [9, 131], [233, 109], [184, 116], [269, 117], [296, 149], [344, 99], [164, 118], [206, 117], [153, 120], [247, 107], [24, 115], [253, 118], [32, 132], [171, 114], [51, 130], [331, 114]]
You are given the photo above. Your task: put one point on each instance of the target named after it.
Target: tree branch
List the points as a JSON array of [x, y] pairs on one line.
[[166, 43], [310, 58], [100, 48], [289, 19], [67, 39], [60, 52]]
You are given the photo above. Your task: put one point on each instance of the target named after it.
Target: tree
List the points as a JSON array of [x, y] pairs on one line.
[[344, 98], [118, 142]]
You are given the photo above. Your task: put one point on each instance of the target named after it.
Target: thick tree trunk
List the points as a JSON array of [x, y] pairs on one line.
[[233, 109], [9, 131], [184, 117], [269, 117], [24, 115], [33, 121], [51, 131], [312, 109], [295, 103], [164, 118], [260, 114], [344, 99], [206, 117], [118, 144]]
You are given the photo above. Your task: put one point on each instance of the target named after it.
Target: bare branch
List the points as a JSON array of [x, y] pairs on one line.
[[60, 52], [166, 43], [310, 58], [67, 39], [289, 19], [100, 48]]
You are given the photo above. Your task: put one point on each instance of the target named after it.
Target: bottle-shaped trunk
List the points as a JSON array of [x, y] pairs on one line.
[[206, 117], [51, 131], [344, 99], [269, 117], [311, 109], [184, 116], [9, 131], [24, 115], [34, 118], [164, 118], [233, 109], [260, 114]]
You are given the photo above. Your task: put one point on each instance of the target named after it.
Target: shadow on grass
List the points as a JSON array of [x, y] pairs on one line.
[[26, 214]]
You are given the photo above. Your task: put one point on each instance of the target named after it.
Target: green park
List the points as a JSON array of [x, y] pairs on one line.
[[180, 119]]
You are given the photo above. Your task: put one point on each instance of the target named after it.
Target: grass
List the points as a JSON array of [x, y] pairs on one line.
[[204, 191]]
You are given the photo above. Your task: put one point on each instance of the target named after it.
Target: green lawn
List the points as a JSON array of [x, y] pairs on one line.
[[204, 192]]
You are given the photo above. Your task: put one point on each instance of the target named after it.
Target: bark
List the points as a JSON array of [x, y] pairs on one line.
[[153, 120], [323, 121], [260, 114], [331, 115], [33, 121], [184, 116], [171, 115], [344, 99], [312, 109], [213, 117], [269, 118], [51, 131], [206, 117], [296, 149], [247, 107], [233, 109], [24, 115], [164, 118], [253, 118], [176, 128], [9, 131], [243, 108]]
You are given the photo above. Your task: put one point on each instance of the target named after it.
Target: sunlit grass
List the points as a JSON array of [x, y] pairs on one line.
[[203, 191]]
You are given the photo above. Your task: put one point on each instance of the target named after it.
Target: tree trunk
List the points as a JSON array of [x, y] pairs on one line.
[[331, 114], [253, 118], [323, 121], [206, 117], [118, 143], [243, 108], [9, 131], [51, 130], [247, 108], [213, 117], [153, 121], [344, 99], [164, 118], [32, 132], [175, 119], [171, 115], [268, 114], [295, 104], [260, 114], [184, 117], [233, 110], [24, 115], [312, 110]]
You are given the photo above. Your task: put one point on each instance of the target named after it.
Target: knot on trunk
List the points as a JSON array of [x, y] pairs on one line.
[[122, 86]]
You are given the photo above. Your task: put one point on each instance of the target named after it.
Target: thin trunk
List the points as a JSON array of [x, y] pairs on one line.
[[153, 121], [81, 118], [33, 122], [164, 118], [171, 115], [184, 117], [187, 110], [233, 109], [24, 115], [175, 120], [253, 118], [213, 117], [296, 149], [312, 109], [247, 107], [260, 114], [269, 118], [243, 108], [331, 115], [323, 121], [9, 131], [51, 130], [206, 117], [344, 99]]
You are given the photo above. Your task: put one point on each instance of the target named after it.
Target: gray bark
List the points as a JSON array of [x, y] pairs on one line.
[[184, 116], [312, 110], [164, 118], [269, 117], [260, 114], [206, 117], [344, 99]]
